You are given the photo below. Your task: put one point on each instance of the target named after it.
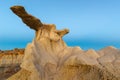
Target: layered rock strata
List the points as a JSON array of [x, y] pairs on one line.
[[10, 61]]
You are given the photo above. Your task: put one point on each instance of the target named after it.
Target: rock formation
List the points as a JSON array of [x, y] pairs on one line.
[[49, 58], [10, 61]]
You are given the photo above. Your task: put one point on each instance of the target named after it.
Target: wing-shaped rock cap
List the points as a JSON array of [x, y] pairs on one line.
[[28, 19], [36, 24]]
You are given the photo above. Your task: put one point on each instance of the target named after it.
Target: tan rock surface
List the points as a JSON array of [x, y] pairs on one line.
[[49, 58]]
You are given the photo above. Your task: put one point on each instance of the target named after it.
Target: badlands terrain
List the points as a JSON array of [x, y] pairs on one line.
[[48, 57], [79, 65], [10, 61]]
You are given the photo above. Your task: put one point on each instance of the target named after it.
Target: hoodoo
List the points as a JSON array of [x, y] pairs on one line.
[[47, 57]]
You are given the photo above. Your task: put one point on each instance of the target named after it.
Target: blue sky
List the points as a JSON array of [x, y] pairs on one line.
[[92, 23]]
